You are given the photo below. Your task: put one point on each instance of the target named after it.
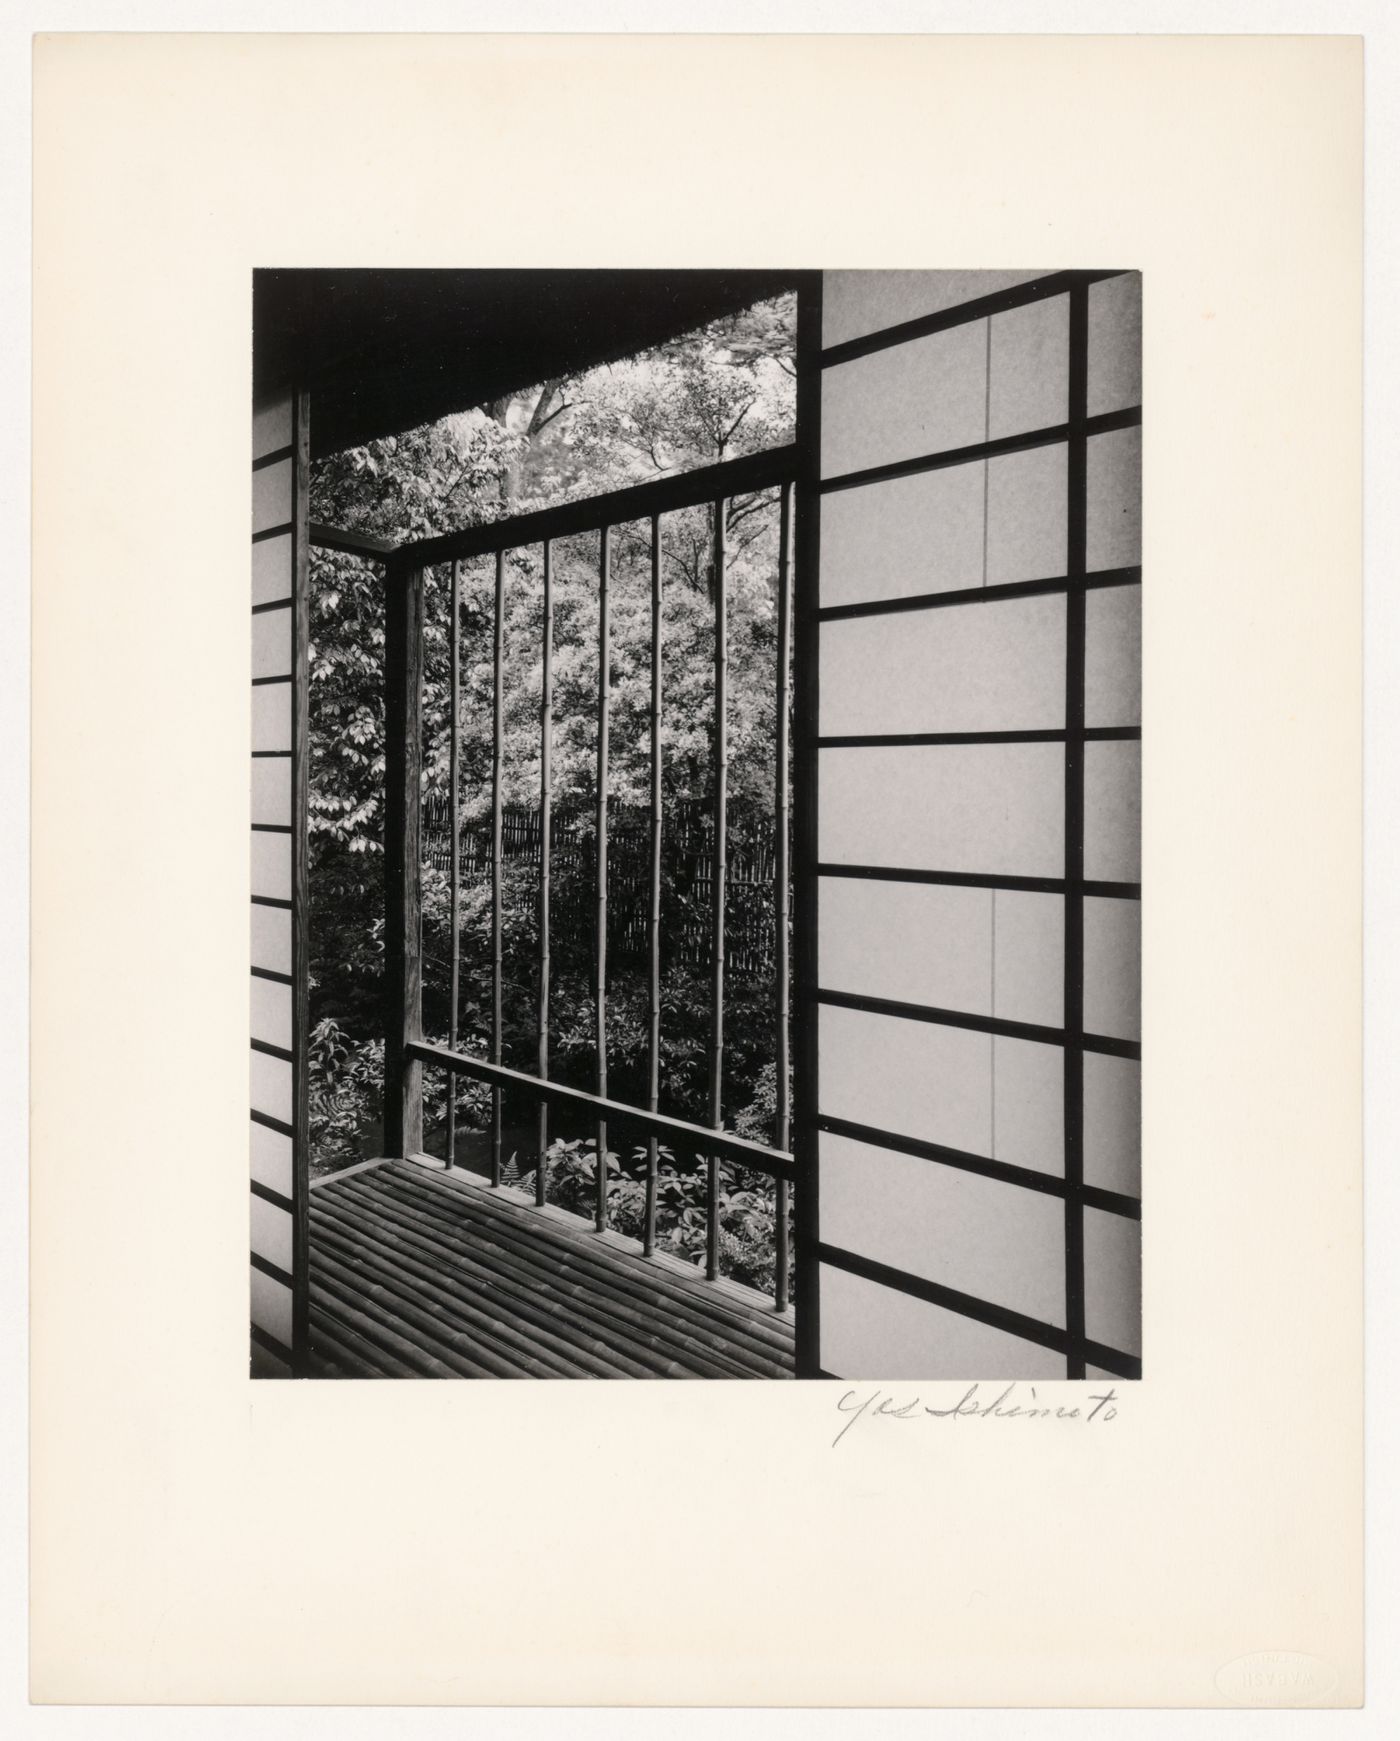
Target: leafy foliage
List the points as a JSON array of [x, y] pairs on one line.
[[747, 1214]]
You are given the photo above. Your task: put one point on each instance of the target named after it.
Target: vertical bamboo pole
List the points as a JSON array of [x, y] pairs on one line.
[[718, 886], [454, 823], [546, 798], [781, 898], [654, 909], [600, 983], [498, 663]]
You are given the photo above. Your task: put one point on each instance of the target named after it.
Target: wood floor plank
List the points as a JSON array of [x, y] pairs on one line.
[[691, 1341], [414, 1281], [493, 1288], [335, 1357], [634, 1277], [419, 1274], [714, 1303], [586, 1310], [349, 1307]]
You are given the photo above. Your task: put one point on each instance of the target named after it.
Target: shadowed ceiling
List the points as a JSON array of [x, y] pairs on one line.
[[383, 351]]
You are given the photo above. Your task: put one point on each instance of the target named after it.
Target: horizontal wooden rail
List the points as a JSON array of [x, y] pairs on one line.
[[691, 1138], [349, 543], [692, 489]]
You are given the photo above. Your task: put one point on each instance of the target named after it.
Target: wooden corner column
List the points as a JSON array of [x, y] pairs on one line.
[[403, 908]]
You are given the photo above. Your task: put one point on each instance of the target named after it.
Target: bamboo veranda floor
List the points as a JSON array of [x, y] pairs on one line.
[[421, 1274]]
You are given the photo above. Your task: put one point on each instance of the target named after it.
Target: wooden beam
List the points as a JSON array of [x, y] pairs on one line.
[[733, 477], [350, 543], [681, 1136]]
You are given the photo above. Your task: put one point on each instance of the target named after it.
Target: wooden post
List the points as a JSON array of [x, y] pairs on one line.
[[600, 985], [454, 822], [806, 537], [718, 889], [654, 904], [403, 806], [497, 750], [782, 1013], [546, 831]]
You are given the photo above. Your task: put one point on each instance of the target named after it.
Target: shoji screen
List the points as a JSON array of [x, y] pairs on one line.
[[977, 825], [281, 457]]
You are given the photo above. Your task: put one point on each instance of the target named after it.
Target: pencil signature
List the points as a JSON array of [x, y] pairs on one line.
[[879, 1405]]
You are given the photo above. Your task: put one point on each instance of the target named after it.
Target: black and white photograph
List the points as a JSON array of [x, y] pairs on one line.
[[646, 827], [695, 824]]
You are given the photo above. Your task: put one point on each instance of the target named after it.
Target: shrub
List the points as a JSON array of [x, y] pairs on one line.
[[747, 1206]]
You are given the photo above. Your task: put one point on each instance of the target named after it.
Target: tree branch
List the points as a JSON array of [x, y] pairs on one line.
[[537, 416], [729, 434], [734, 516], [559, 410]]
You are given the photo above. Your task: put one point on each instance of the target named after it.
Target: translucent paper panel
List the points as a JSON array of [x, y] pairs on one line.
[[909, 535], [272, 789], [270, 1230], [271, 929], [912, 400], [1113, 968], [1112, 811], [1113, 534], [272, 496], [272, 425], [855, 303], [272, 643], [972, 667], [1028, 1089], [914, 942], [271, 1306], [1113, 656], [1115, 343], [272, 866], [271, 1156], [1028, 957], [980, 808], [1113, 1281], [1029, 368], [1027, 495], [272, 569], [270, 1005], [872, 1332], [270, 1085], [914, 1078], [997, 1242], [1112, 1123], [272, 716]]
